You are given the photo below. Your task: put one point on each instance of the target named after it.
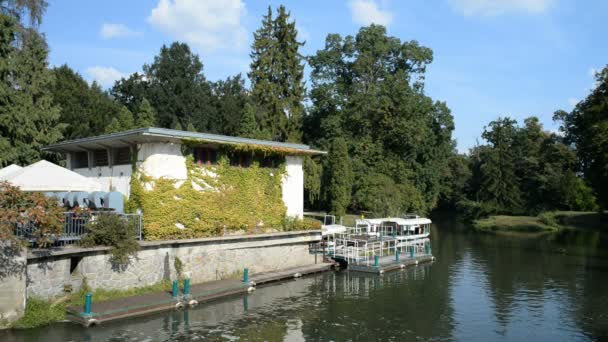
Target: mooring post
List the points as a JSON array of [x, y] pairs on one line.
[[376, 260], [87, 304], [246, 275], [397, 255], [412, 252], [175, 288], [186, 286]]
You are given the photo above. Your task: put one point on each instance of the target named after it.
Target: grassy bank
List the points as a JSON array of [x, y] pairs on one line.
[[544, 222], [39, 312]]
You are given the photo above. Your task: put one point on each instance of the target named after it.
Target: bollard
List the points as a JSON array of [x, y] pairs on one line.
[[246, 275], [186, 286], [245, 303], [175, 288], [397, 255], [376, 259], [87, 304], [427, 247], [411, 251]]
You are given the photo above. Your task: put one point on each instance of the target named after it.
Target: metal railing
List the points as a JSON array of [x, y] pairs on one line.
[[75, 227]]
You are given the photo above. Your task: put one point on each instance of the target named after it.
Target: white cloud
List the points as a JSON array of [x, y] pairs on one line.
[[572, 101], [497, 7], [366, 12], [105, 76], [109, 31], [207, 24]]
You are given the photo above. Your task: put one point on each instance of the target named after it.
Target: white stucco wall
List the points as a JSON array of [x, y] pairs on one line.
[[293, 186], [162, 160], [115, 178]]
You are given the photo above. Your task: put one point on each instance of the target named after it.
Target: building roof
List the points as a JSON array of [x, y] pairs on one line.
[[46, 176], [153, 134], [8, 170]]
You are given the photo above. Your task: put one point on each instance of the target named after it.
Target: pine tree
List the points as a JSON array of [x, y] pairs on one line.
[[28, 118], [146, 116], [190, 127], [340, 177], [276, 75], [247, 126], [124, 121]]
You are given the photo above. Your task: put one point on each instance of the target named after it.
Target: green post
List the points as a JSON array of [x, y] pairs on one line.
[[246, 275], [186, 286], [397, 255], [245, 303], [175, 288], [412, 252], [87, 304], [376, 260], [427, 247]]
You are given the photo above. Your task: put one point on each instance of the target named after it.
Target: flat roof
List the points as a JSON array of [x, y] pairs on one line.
[[154, 134]]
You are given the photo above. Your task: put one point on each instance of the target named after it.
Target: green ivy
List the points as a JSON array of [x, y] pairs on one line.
[[232, 199]]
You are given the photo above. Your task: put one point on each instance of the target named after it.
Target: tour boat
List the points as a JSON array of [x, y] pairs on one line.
[[410, 227]]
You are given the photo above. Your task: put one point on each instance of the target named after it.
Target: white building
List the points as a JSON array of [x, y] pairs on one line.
[[110, 159]]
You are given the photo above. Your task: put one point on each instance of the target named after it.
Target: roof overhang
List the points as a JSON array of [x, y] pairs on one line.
[[155, 135]]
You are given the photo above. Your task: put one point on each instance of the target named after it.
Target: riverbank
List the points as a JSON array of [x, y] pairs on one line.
[[544, 222]]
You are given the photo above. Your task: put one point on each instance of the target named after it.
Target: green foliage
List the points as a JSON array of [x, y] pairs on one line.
[[114, 231], [368, 90], [294, 224], [28, 118], [214, 199], [18, 208], [38, 313], [179, 267], [586, 126], [313, 172], [122, 122], [230, 99], [513, 223], [146, 115], [340, 177], [277, 73], [248, 127], [548, 218]]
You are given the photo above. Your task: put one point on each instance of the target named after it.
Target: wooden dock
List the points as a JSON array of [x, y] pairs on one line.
[[388, 263], [129, 307]]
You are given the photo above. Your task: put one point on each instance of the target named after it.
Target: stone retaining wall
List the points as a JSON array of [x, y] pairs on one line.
[[49, 275]]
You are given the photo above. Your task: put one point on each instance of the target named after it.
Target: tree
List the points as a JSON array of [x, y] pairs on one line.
[[124, 121], [276, 75], [230, 99], [369, 90], [177, 88], [339, 176], [247, 125], [146, 115], [18, 9], [28, 118], [586, 127], [131, 91]]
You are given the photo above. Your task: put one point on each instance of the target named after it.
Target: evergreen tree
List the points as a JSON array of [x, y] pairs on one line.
[[230, 99], [247, 125], [28, 118], [339, 175], [122, 122], [190, 127], [276, 75], [146, 116]]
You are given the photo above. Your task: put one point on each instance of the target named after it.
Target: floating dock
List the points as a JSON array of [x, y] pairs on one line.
[[101, 312], [389, 263]]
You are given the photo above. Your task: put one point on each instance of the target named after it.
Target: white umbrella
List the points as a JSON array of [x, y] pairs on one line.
[[46, 176], [8, 170]]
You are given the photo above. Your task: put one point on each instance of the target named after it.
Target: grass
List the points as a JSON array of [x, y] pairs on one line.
[[40, 312], [544, 222]]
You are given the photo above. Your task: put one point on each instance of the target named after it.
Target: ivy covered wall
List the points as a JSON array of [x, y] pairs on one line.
[[213, 200]]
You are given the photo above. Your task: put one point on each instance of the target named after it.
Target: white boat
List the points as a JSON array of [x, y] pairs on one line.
[[411, 227]]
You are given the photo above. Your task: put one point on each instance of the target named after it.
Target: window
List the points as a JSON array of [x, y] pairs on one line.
[[122, 156], [80, 160], [205, 156], [243, 159], [100, 158]]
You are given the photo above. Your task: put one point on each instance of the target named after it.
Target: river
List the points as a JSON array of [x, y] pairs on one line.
[[482, 287]]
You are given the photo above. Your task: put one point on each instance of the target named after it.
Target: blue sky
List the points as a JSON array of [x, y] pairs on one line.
[[491, 57]]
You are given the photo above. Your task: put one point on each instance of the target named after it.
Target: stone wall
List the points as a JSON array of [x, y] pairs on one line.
[[12, 283], [49, 275]]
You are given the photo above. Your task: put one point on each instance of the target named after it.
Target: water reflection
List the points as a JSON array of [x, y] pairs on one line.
[[482, 287]]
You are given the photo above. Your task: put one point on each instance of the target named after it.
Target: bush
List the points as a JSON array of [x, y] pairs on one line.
[[307, 223], [548, 218], [27, 209], [39, 312], [473, 210], [114, 231]]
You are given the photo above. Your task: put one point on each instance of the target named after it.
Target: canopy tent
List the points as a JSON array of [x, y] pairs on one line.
[[46, 176], [8, 170]]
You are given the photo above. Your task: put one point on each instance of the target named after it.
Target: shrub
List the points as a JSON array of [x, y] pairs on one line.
[[307, 223], [548, 218], [114, 231], [27, 209]]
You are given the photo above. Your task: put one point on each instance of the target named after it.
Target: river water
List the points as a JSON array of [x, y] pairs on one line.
[[482, 287]]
